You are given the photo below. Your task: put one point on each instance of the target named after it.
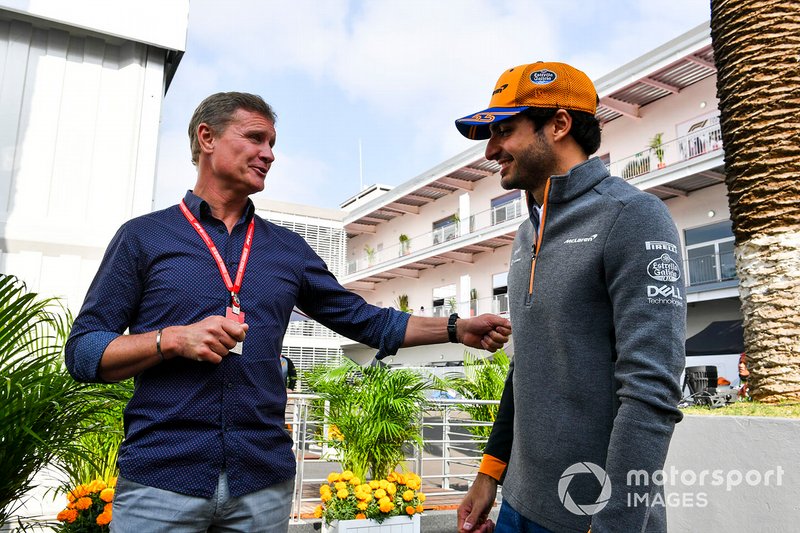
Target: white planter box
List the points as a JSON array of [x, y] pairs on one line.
[[395, 524]]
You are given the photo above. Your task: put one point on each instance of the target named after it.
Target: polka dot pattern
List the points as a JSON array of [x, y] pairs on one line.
[[188, 420]]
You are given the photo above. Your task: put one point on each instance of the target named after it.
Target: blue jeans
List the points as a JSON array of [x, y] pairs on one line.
[[142, 509], [510, 521]]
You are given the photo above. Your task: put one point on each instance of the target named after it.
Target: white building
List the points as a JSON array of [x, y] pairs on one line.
[[460, 223], [81, 89]]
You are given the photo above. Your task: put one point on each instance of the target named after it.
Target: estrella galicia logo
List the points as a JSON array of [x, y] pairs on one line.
[[543, 77], [602, 498], [664, 268]]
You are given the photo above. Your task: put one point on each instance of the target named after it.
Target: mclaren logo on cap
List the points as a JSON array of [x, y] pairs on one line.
[[500, 89], [543, 77]]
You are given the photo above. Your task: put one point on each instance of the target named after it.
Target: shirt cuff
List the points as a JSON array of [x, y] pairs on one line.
[[392, 339], [84, 354], [492, 467]]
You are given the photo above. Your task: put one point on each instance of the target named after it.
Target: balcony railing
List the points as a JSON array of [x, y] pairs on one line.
[[681, 149], [669, 153], [713, 268]]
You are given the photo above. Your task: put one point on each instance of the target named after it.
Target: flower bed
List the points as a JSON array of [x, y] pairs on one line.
[[346, 497], [88, 508]]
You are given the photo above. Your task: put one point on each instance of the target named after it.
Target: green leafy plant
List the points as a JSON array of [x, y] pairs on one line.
[[657, 145], [41, 406], [402, 303], [405, 244], [370, 251], [372, 412], [483, 379]]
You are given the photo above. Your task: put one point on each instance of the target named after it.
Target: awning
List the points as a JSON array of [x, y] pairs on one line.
[[718, 338]]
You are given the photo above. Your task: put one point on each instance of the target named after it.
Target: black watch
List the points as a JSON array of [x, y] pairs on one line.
[[451, 327]]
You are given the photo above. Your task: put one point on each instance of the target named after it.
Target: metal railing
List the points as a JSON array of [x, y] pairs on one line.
[[507, 211], [447, 461], [712, 268], [681, 149]]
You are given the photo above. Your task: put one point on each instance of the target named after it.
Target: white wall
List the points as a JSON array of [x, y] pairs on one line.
[[78, 137], [626, 136]]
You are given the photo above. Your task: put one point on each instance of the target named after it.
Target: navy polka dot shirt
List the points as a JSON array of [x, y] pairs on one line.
[[188, 420]]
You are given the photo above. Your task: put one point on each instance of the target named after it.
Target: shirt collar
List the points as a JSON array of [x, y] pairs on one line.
[[202, 210]]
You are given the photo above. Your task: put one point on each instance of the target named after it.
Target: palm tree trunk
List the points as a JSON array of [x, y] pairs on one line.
[[757, 53]]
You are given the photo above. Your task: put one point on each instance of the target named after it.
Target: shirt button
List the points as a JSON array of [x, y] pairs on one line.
[[229, 385]]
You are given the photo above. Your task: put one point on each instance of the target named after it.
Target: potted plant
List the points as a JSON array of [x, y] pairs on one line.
[[473, 302], [405, 244], [370, 251], [350, 504], [402, 304], [483, 379], [657, 145], [376, 412]]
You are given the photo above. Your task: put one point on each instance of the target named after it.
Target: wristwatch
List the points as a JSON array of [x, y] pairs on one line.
[[451, 327]]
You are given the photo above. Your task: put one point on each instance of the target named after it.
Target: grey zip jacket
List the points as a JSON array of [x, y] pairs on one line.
[[599, 315]]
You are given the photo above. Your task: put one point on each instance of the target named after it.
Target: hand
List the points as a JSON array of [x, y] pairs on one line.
[[473, 513], [487, 331], [208, 340]]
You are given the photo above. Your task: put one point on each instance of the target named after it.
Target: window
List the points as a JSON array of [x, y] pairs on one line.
[[444, 300], [500, 293], [506, 207], [709, 253], [445, 229]]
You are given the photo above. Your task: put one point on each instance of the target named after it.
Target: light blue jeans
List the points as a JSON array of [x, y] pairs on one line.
[[142, 509]]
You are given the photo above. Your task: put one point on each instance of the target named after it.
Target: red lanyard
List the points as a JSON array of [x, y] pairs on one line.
[[235, 287]]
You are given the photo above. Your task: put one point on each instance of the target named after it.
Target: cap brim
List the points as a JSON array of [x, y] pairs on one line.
[[476, 125]]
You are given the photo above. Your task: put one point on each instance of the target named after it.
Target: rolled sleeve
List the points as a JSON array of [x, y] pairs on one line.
[[83, 355]]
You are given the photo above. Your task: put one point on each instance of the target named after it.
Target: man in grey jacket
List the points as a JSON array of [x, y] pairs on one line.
[[598, 311]]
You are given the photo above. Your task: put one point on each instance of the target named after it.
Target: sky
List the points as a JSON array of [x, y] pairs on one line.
[[366, 91]]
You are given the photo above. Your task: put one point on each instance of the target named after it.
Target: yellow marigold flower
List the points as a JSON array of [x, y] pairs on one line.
[[362, 506], [368, 498], [107, 507], [355, 481], [318, 511], [70, 496], [340, 485], [71, 505], [391, 488], [326, 497], [361, 516], [342, 494], [324, 489], [410, 510], [386, 507], [383, 484], [380, 493], [347, 475], [112, 481], [384, 500], [83, 503], [374, 484], [400, 478], [67, 515], [81, 490], [421, 497], [413, 484], [103, 519], [97, 485], [408, 495], [419, 508], [365, 488], [107, 495], [391, 477], [333, 477]]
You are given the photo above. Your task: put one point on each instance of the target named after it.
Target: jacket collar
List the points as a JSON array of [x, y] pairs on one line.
[[580, 179]]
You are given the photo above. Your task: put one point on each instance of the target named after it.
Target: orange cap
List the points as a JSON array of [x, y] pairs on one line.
[[542, 85]]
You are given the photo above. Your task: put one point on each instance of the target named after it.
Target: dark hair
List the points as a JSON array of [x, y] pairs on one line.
[[217, 112], [585, 127]]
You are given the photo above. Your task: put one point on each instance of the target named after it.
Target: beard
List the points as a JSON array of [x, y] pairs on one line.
[[532, 167]]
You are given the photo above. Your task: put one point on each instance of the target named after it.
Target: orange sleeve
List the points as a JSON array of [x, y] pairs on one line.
[[492, 467]]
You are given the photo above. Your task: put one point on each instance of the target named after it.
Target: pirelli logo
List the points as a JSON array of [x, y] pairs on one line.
[[661, 245]]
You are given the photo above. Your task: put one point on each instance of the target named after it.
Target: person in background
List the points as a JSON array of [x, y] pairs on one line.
[[205, 290], [596, 297]]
